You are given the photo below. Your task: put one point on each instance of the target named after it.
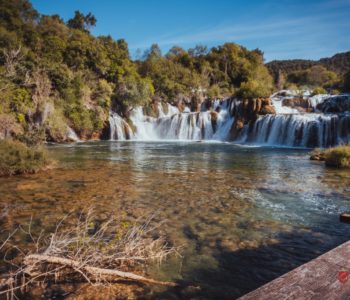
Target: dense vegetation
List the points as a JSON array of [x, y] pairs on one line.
[[17, 158], [338, 157], [329, 73], [55, 74]]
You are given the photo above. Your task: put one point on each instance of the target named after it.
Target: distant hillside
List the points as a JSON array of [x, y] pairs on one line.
[[339, 63]]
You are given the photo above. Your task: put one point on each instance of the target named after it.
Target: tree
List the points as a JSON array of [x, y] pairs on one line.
[[346, 85], [153, 52], [134, 91], [281, 80], [175, 53], [82, 22], [15, 14], [198, 50], [313, 77], [12, 59]]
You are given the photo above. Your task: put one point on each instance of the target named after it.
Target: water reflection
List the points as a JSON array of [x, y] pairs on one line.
[[248, 214]]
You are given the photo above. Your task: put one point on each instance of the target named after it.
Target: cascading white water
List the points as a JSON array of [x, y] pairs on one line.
[[185, 126], [307, 130], [120, 130], [288, 127], [173, 125], [71, 135]]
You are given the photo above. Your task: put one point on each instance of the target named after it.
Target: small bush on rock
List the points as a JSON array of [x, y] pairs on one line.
[[338, 157]]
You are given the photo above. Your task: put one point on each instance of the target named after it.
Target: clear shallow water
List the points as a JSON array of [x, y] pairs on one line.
[[242, 216]]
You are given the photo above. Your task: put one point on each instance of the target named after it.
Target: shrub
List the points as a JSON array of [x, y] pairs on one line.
[[17, 158], [9, 126], [80, 118], [338, 157], [319, 90], [33, 135], [56, 127], [252, 89], [214, 92]]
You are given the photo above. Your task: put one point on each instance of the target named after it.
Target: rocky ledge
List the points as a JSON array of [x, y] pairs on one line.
[[248, 110]]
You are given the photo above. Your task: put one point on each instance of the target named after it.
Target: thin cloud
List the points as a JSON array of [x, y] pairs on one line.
[[305, 35]]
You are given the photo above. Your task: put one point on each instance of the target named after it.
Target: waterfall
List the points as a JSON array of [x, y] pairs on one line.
[[120, 129], [307, 130], [185, 126], [288, 127], [71, 135], [173, 125]]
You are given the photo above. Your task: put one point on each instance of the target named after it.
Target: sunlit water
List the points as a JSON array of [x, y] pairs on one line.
[[242, 216]]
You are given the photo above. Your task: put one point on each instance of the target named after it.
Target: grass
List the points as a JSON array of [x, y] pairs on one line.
[[338, 157], [17, 158], [82, 248]]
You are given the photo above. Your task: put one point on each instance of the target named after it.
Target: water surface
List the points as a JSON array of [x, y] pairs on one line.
[[242, 215]]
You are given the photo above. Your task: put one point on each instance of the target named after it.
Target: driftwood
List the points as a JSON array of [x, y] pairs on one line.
[[96, 272], [86, 250]]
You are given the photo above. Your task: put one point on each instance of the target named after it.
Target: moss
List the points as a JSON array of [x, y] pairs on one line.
[[149, 111], [131, 124], [338, 157], [21, 118], [319, 90], [165, 107], [17, 158]]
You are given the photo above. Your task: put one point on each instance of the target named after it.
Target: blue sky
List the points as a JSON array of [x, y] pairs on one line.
[[282, 29]]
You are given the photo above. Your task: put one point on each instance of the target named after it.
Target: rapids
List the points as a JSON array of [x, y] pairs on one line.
[[289, 127]]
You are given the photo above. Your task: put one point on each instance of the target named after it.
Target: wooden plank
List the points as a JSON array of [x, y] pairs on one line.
[[317, 279]]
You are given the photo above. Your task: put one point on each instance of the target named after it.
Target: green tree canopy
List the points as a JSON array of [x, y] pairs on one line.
[[81, 21]]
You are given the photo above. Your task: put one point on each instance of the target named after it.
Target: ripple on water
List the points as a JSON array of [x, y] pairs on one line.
[[242, 216]]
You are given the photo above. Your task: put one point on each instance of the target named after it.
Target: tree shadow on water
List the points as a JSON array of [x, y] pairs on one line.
[[244, 270]]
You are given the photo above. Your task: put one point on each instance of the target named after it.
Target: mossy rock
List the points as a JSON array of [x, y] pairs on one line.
[[149, 111], [165, 107]]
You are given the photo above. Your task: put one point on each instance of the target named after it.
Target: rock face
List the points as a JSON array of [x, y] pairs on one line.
[[181, 102], [214, 119], [299, 103], [337, 104], [247, 111], [196, 103]]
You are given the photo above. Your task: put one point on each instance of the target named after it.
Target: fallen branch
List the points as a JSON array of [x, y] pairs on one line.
[[97, 272], [86, 250]]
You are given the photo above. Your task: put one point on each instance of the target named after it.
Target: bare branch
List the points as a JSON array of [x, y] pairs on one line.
[[94, 252]]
